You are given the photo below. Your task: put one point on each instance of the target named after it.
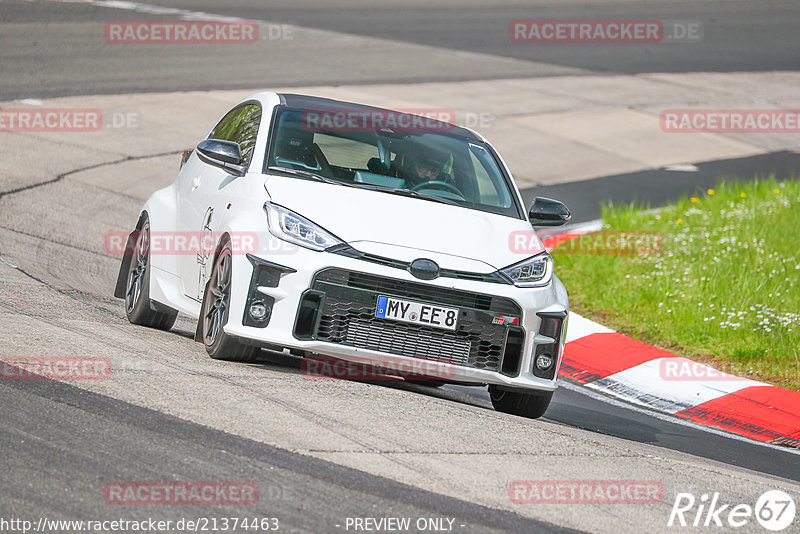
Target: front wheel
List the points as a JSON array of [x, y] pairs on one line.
[[530, 404], [216, 310], [138, 306]]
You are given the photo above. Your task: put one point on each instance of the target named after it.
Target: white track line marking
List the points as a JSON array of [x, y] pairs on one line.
[[580, 326], [182, 14], [645, 384]]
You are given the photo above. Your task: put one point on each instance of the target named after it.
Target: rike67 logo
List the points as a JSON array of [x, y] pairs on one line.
[[774, 510]]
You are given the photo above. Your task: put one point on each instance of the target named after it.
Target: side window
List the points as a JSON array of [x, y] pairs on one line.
[[345, 153], [486, 189], [491, 188], [241, 126]]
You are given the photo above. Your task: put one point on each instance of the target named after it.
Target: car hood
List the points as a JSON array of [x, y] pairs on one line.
[[406, 228]]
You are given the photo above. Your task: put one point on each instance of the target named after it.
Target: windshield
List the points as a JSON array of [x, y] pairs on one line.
[[392, 152]]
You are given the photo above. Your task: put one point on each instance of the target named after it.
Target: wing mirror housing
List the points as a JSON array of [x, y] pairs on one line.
[[548, 212], [226, 155]]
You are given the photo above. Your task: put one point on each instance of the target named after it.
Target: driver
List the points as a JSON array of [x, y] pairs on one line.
[[424, 164]]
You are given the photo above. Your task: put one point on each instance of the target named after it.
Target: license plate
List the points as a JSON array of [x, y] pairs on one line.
[[407, 311]]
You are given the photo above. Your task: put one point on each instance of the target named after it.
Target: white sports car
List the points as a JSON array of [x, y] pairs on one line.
[[362, 234]]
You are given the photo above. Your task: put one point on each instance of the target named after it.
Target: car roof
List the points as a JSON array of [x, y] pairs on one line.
[[296, 101]]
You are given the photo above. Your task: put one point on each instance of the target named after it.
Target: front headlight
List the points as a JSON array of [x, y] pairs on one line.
[[289, 226], [533, 272]]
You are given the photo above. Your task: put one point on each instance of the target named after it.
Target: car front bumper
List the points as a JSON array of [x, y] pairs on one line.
[[345, 326]]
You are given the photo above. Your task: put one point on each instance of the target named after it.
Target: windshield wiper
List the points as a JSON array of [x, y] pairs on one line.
[[304, 174], [417, 194]]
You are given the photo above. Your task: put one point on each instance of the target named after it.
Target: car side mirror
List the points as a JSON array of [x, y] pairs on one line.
[[548, 212], [226, 155]]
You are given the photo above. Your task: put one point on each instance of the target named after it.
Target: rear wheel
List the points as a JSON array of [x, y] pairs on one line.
[[531, 404], [215, 312], [138, 306]]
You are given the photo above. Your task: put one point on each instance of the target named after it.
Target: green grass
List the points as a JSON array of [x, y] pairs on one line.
[[724, 289]]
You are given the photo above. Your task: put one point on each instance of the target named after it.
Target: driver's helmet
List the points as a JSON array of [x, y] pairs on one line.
[[424, 163]]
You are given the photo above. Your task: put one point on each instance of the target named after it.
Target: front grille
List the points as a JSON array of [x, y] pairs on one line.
[[346, 316], [350, 252], [443, 347], [417, 291]]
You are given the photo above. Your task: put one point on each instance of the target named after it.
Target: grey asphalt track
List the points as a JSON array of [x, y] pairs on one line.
[[61, 444], [52, 48], [737, 35], [68, 444], [657, 187], [574, 406]]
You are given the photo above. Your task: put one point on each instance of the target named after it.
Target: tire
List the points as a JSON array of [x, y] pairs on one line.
[[528, 404], [138, 306], [215, 310]]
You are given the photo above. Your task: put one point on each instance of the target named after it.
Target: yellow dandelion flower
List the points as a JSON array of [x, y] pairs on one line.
[[710, 191], [776, 191], [679, 221], [743, 195], [694, 200]]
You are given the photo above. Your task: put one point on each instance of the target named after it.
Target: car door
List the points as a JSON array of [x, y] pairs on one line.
[[205, 190]]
